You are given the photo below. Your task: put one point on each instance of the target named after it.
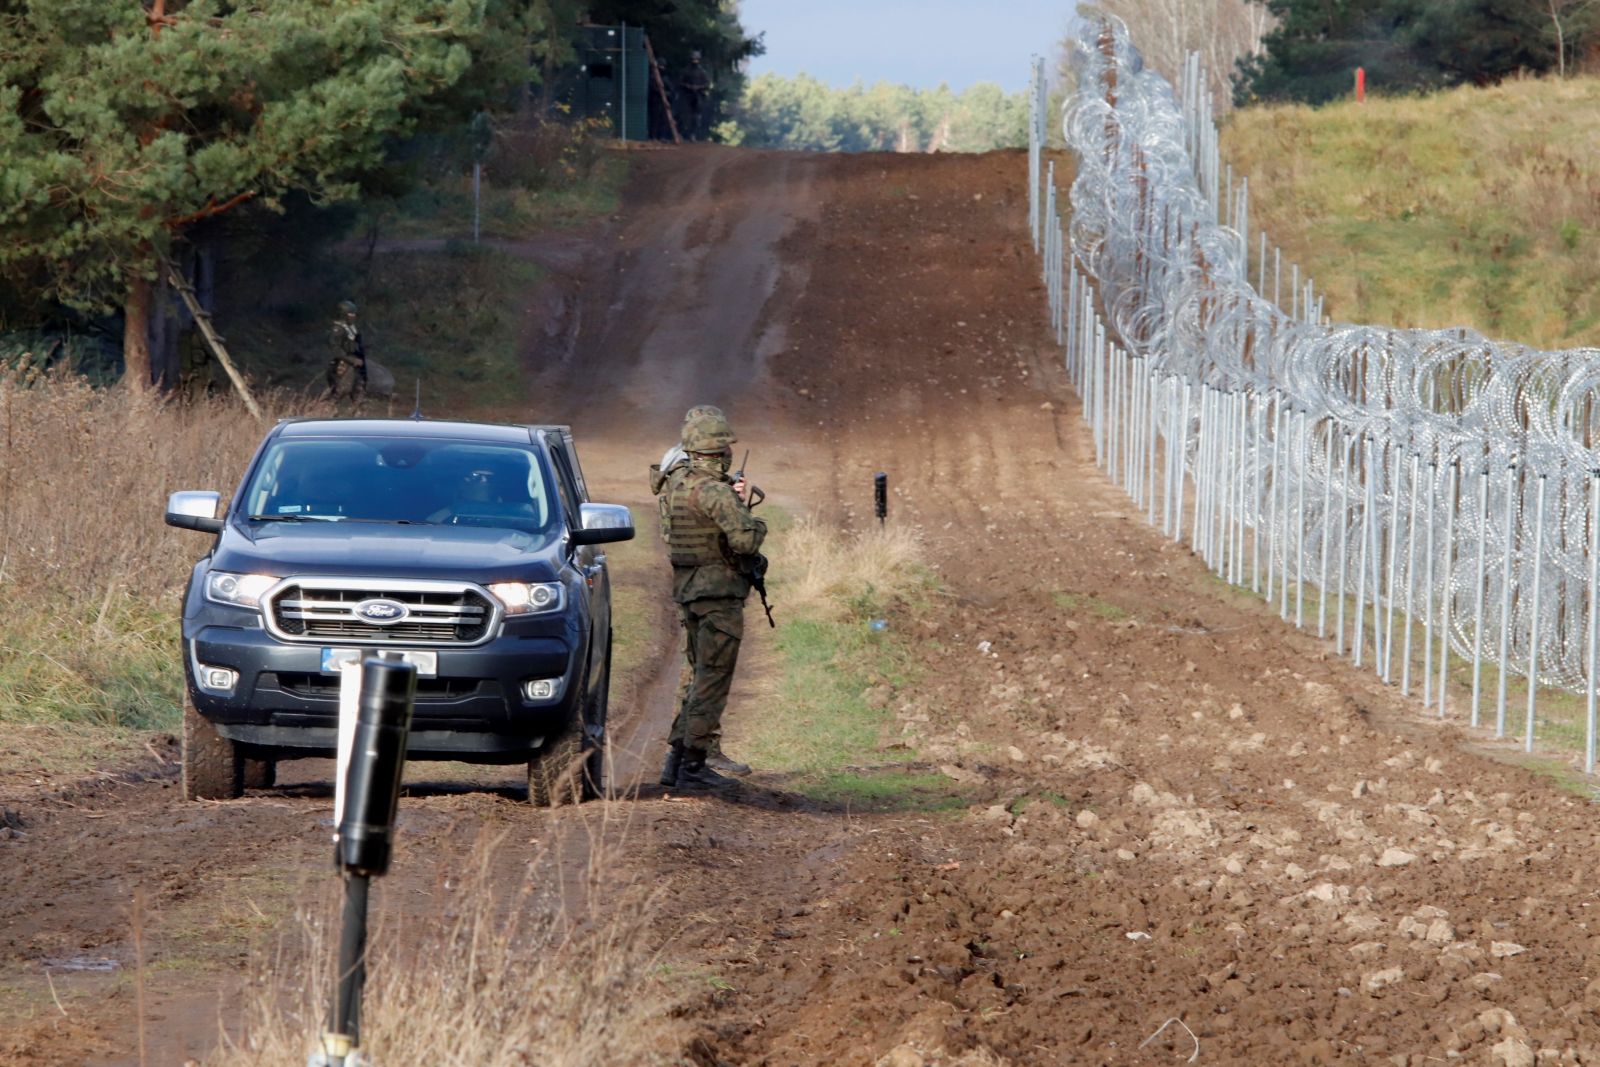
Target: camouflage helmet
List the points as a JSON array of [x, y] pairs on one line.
[[348, 307], [700, 411], [708, 433]]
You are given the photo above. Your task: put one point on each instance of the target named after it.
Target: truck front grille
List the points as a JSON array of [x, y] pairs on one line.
[[327, 610]]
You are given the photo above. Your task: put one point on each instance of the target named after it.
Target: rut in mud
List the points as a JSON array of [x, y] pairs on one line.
[[1172, 806]]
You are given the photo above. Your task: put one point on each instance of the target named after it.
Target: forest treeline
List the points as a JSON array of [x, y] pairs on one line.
[[1410, 45], [1307, 51], [803, 113]]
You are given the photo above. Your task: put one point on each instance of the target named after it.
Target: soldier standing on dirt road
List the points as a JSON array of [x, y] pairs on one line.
[[711, 539], [347, 370], [695, 87], [671, 460]]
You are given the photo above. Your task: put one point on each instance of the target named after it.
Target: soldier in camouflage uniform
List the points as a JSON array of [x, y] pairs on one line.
[[711, 538], [694, 90], [347, 370], [671, 460], [196, 368]]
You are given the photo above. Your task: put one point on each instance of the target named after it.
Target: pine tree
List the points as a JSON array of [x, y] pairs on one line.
[[122, 124], [1312, 54], [1404, 45]]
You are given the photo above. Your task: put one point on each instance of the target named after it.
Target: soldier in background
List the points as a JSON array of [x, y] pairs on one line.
[[347, 370], [695, 92], [712, 540], [197, 369], [674, 458]]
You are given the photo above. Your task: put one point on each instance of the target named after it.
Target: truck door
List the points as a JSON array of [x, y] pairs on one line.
[[589, 559]]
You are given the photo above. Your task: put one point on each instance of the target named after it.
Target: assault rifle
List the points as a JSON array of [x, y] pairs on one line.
[[754, 567]]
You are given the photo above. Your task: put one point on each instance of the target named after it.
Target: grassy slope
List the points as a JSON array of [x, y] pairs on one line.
[[435, 307], [1474, 207]]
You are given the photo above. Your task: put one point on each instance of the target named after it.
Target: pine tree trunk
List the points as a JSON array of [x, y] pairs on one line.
[[136, 335]]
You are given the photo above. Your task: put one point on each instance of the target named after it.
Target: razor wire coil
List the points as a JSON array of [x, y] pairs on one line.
[[1315, 449]]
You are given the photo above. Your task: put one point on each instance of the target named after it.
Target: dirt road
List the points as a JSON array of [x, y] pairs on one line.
[[1172, 806]]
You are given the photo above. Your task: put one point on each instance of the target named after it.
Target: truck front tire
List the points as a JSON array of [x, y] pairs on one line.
[[553, 774], [212, 770]]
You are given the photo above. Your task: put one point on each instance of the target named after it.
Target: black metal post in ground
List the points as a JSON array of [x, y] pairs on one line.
[[366, 835], [352, 973], [880, 496]]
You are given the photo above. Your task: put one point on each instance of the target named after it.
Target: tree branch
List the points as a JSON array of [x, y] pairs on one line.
[[211, 208], [157, 17]]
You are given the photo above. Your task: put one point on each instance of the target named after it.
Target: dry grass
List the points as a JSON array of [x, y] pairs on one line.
[[1472, 207], [84, 475], [826, 575], [90, 574], [832, 592], [497, 972]]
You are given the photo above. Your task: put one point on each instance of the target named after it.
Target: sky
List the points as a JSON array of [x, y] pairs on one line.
[[913, 42]]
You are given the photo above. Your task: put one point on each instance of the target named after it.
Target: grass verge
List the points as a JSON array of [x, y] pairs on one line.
[[448, 318], [825, 720], [89, 573], [81, 689], [437, 309], [510, 208], [1471, 207]]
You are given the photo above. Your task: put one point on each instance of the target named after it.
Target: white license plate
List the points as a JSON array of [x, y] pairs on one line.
[[426, 663]]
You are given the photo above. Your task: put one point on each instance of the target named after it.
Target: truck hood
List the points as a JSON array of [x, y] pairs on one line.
[[464, 553]]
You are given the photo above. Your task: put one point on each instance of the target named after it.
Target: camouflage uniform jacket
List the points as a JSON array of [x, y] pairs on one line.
[[345, 340], [696, 81], [711, 528]]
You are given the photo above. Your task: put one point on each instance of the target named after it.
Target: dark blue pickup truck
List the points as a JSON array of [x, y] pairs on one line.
[[471, 549]]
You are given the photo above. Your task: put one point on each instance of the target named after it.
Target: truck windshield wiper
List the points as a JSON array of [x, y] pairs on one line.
[[296, 518]]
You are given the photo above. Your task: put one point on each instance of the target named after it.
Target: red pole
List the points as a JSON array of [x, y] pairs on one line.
[[1361, 85]]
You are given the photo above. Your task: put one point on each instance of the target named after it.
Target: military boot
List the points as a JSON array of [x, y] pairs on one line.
[[669, 769], [694, 774], [719, 761]]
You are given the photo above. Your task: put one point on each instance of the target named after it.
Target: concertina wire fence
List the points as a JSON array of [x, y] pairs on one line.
[[1417, 495]]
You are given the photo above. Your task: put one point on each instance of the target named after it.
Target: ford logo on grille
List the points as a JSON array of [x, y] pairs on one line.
[[381, 611]]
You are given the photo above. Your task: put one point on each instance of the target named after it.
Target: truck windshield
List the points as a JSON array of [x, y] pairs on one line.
[[385, 479]]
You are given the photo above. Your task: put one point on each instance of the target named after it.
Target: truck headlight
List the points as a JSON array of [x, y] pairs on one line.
[[521, 598], [240, 590]]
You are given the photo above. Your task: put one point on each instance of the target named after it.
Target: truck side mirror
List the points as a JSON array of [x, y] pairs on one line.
[[194, 510], [603, 524]]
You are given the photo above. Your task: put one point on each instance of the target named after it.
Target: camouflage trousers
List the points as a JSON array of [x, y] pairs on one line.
[[347, 382], [685, 680], [713, 628]]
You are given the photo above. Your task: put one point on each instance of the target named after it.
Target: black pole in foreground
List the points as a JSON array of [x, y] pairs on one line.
[[352, 972], [366, 834], [880, 496]]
